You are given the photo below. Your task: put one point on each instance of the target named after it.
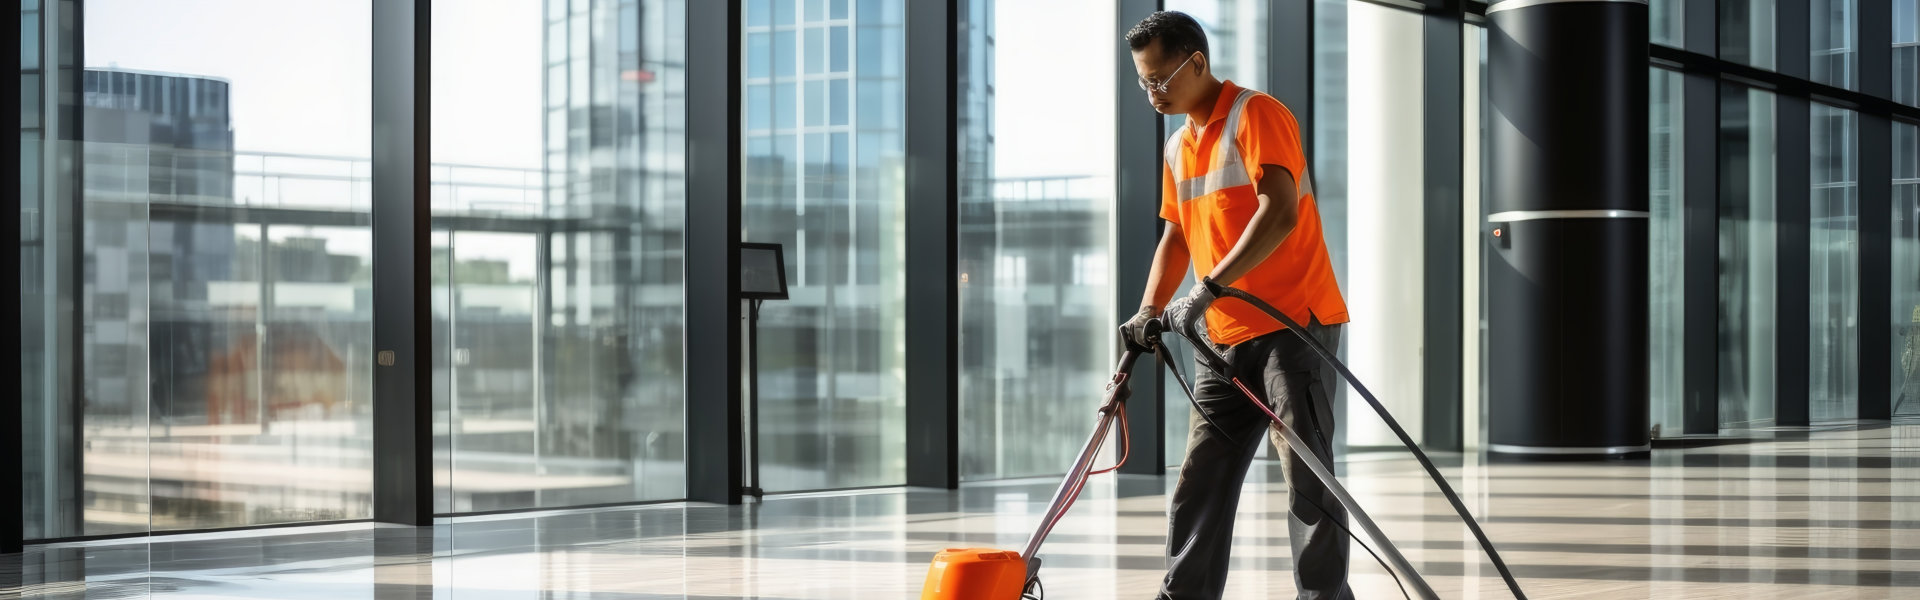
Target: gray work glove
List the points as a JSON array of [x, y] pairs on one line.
[[1177, 311], [1134, 331]]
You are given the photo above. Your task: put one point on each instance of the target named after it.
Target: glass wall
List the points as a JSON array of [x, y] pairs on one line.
[[1036, 288], [1368, 160], [1747, 263], [1237, 36], [1747, 33], [210, 233], [1906, 51], [825, 153], [1906, 268], [558, 194], [1666, 232], [50, 468], [1835, 36], [1834, 265], [1666, 21]]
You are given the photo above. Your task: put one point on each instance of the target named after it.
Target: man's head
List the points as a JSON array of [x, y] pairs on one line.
[[1170, 53]]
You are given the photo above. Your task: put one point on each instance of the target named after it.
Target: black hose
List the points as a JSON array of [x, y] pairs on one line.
[[1316, 504], [1220, 291]]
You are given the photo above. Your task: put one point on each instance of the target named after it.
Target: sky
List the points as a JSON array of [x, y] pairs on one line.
[[301, 72]]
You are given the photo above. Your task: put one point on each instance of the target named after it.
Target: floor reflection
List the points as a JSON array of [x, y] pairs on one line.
[[1788, 514]]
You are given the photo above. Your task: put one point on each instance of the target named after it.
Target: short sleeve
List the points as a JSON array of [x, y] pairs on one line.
[[1270, 136], [1169, 200]]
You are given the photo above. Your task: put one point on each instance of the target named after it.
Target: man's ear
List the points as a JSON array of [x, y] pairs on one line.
[[1205, 65]]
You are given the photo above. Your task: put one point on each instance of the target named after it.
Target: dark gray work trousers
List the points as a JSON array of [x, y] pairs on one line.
[[1281, 368]]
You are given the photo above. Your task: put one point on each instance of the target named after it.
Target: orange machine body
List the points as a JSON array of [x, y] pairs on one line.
[[975, 574]]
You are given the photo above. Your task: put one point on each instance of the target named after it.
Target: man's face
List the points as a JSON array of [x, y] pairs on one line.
[[1179, 75]]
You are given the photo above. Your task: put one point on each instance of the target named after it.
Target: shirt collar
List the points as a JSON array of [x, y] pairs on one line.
[[1228, 92]]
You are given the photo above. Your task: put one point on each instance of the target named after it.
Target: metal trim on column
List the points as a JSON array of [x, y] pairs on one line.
[[402, 306], [1793, 195], [933, 200], [1442, 422], [1137, 137], [713, 330], [1700, 266]]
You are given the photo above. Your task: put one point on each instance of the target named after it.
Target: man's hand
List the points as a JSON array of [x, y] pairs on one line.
[[1177, 311], [1134, 331]]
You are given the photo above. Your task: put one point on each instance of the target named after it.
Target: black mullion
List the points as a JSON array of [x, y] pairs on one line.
[[13, 406], [1876, 267], [1794, 183], [1700, 412], [933, 200], [1875, 49], [402, 297], [1138, 139], [1444, 330], [714, 432]]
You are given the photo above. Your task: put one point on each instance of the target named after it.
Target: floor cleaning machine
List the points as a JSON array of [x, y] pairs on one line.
[[991, 574]]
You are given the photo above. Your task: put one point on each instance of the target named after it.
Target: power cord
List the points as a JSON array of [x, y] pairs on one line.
[[1294, 490]]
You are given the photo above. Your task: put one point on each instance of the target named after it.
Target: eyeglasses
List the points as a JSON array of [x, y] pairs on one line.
[[1160, 87]]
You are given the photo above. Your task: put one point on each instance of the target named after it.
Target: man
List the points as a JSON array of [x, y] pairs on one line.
[[1239, 204]]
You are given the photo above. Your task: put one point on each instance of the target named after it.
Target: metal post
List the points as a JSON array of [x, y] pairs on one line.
[[1876, 213], [1792, 195], [1138, 136], [402, 311], [1442, 421], [713, 251], [933, 202]]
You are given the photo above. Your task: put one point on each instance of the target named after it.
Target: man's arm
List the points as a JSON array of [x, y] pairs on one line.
[[1271, 224], [1169, 269]]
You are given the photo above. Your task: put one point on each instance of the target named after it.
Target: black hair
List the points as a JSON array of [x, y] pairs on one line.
[[1178, 33]]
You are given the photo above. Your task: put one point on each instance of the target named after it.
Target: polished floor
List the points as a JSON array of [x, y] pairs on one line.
[[1828, 513]]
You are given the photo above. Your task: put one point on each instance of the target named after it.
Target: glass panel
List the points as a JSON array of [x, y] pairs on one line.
[[1368, 84], [1036, 325], [1834, 40], [1906, 51], [1747, 33], [1475, 173], [1834, 266], [1748, 240], [1666, 22], [225, 355], [1236, 38], [1237, 44], [1906, 268], [557, 277], [1666, 229], [831, 363]]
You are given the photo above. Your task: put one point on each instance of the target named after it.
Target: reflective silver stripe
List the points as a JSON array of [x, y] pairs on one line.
[[1534, 215], [1229, 169], [1514, 4], [1512, 449], [1172, 155]]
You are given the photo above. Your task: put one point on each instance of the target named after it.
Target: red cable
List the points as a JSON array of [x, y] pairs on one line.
[[1126, 449]]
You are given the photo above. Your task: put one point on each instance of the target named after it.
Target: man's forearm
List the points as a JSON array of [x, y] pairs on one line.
[[1268, 228]]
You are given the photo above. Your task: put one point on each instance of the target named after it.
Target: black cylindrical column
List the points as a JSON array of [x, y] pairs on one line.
[[1567, 222]]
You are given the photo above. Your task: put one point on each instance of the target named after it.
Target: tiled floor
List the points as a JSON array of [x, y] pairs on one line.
[[1828, 514]]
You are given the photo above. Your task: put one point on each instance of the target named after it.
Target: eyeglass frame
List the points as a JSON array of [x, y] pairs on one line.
[[1160, 87]]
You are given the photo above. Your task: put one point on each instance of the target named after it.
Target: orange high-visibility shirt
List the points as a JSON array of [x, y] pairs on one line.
[[1209, 181]]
